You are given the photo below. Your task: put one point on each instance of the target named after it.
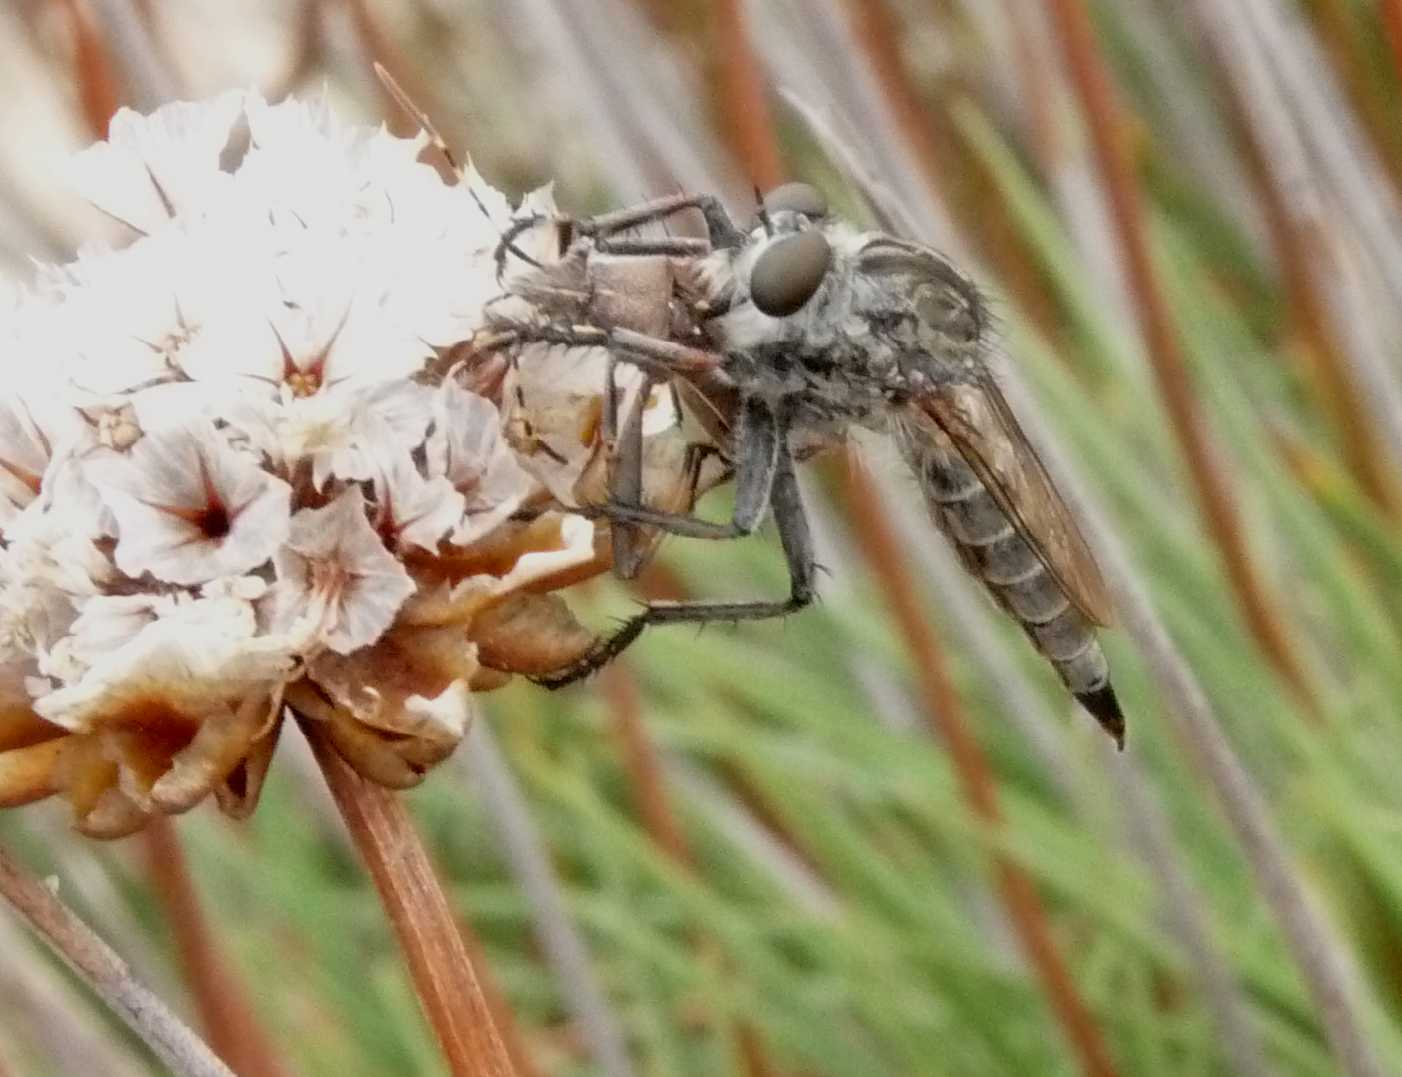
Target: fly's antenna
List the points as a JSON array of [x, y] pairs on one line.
[[438, 142], [762, 213]]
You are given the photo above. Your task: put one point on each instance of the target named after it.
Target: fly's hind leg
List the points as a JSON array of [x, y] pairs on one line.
[[763, 470]]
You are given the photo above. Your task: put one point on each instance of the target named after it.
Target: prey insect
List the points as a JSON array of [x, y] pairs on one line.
[[785, 336], [793, 332]]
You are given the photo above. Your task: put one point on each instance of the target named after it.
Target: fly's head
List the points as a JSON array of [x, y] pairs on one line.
[[850, 320]]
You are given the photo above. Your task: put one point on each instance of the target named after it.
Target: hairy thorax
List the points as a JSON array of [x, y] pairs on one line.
[[854, 353]]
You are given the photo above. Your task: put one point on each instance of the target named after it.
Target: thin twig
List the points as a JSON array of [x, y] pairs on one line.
[[1092, 84], [58, 1024], [1146, 832], [620, 691], [226, 1012], [944, 712], [93, 961], [1335, 316], [419, 912]]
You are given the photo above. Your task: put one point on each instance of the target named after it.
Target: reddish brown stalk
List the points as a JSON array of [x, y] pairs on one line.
[[745, 117], [641, 762], [878, 36], [1091, 80], [1338, 32], [226, 1012], [93, 70], [660, 820], [1392, 24], [944, 713], [419, 912]]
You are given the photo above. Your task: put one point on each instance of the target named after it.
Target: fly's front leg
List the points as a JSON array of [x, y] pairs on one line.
[[719, 227], [720, 230], [758, 440], [754, 470], [624, 456]]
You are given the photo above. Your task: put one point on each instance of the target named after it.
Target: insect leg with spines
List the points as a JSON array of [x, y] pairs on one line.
[[765, 479]]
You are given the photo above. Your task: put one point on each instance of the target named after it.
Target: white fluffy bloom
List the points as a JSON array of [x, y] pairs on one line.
[[240, 467], [335, 575], [189, 507], [159, 168]]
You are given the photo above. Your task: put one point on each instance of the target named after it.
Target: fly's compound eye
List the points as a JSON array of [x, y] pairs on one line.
[[797, 198], [787, 274]]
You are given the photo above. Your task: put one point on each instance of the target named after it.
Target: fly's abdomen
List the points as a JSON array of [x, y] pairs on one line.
[[994, 552]]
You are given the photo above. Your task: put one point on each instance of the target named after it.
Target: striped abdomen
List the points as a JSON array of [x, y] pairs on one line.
[[994, 552]]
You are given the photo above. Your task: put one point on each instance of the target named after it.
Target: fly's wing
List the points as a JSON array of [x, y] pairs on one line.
[[978, 421]]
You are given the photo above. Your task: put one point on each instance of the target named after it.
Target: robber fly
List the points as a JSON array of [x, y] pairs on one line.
[[793, 332], [789, 334]]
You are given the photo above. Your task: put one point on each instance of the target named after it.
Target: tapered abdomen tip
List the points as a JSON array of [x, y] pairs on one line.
[[1105, 708]]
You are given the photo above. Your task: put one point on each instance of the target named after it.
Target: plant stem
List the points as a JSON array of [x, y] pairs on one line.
[[226, 1013], [418, 910], [98, 965]]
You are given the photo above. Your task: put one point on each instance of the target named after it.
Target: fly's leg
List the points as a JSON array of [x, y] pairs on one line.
[[765, 476], [623, 450], [719, 227], [664, 359], [758, 445], [671, 246], [624, 457]]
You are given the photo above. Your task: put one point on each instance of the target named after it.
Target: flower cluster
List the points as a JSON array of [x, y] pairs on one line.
[[247, 464]]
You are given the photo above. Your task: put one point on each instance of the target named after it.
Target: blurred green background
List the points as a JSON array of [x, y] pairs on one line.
[[849, 844]]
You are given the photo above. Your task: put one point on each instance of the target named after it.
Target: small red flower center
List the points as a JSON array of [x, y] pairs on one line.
[[214, 521]]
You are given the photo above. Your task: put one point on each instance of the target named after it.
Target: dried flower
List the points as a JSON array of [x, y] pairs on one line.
[[241, 468]]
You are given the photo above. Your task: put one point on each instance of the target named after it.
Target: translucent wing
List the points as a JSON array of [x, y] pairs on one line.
[[978, 421]]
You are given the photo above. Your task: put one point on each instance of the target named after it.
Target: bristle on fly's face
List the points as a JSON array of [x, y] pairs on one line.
[[1105, 708]]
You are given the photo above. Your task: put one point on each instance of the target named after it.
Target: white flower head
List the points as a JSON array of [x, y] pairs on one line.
[[414, 511], [193, 657], [178, 306], [154, 169], [241, 469], [338, 432], [190, 507], [335, 575], [465, 447]]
